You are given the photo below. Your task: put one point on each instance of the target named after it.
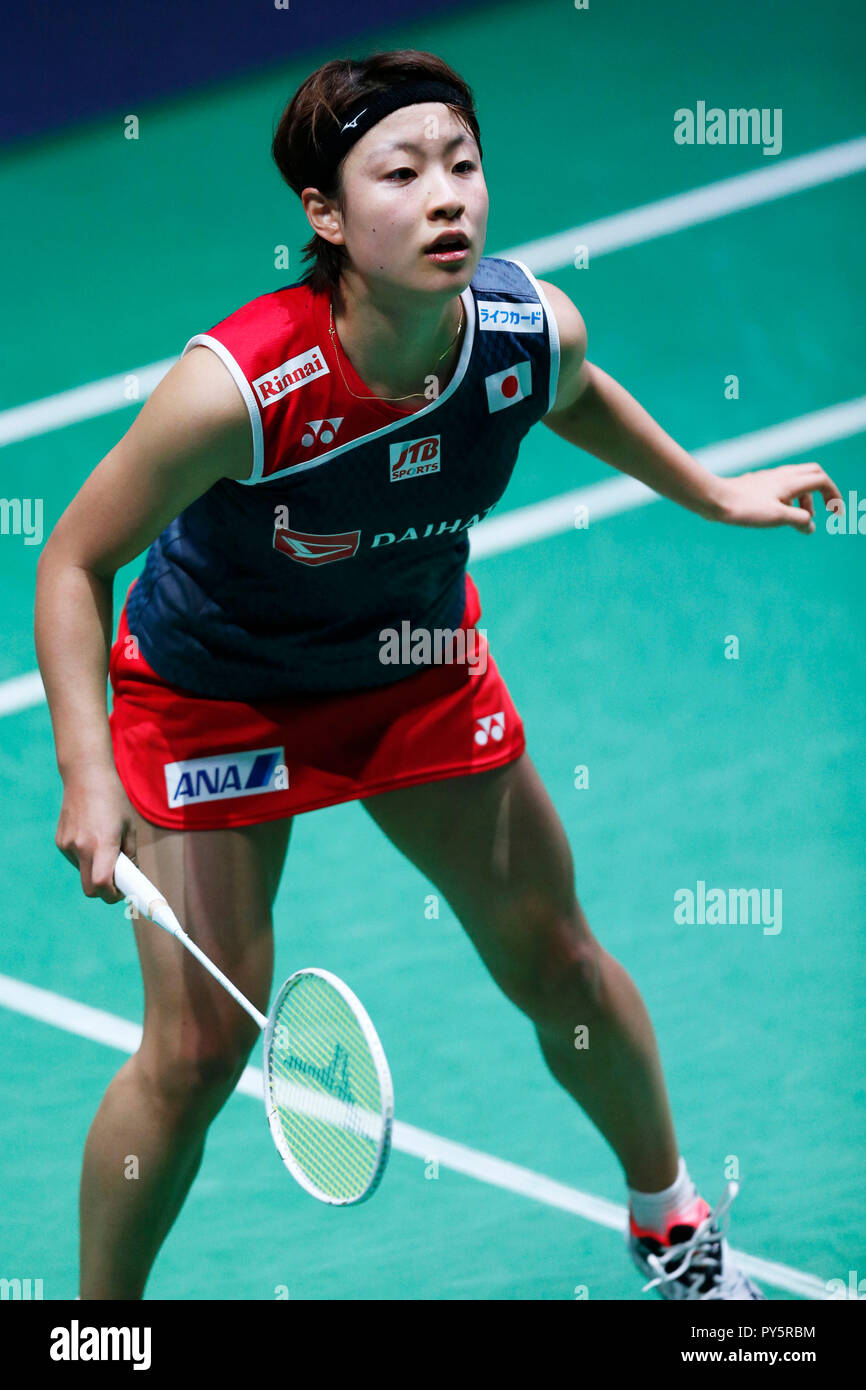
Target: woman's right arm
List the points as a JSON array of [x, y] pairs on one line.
[[193, 430]]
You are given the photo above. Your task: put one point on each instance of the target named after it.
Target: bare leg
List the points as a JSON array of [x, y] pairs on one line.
[[494, 845], [146, 1142]]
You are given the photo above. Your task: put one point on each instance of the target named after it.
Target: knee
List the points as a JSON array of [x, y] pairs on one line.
[[559, 973], [194, 1071]]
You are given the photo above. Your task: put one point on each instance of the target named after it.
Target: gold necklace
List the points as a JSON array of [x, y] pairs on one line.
[[386, 398]]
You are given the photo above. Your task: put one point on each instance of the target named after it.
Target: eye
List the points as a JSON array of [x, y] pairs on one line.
[[466, 165]]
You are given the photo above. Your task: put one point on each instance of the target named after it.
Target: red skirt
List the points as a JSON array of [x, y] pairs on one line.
[[188, 762]]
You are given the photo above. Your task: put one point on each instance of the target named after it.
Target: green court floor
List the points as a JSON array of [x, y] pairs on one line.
[[743, 772]]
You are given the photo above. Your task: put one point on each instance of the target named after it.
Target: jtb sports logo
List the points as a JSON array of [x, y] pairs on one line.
[[227, 774], [414, 457], [289, 375]]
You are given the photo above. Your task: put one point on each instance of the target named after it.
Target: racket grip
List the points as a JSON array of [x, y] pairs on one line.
[[147, 900], [144, 896]]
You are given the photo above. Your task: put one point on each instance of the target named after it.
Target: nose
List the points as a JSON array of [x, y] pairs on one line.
[[443, 196]]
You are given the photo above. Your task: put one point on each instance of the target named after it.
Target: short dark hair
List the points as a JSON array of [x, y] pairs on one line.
[[335, 87]]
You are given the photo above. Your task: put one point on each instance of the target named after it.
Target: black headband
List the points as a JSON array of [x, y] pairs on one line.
[[374, 108]]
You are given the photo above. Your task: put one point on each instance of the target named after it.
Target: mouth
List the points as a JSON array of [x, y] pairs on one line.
[[448, 247]]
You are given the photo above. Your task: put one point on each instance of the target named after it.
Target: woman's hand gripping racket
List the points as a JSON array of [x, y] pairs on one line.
[[328, 1093]]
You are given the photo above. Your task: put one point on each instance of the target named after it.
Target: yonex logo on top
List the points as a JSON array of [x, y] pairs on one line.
[[289, 375], [321, 431]]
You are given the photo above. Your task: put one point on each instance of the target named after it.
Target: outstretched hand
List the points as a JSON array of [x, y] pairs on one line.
[[767, 497]]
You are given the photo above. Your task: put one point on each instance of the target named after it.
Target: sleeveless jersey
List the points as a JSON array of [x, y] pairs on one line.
[[355, 516]]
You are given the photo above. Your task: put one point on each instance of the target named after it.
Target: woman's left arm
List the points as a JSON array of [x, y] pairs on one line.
[[594, 412]]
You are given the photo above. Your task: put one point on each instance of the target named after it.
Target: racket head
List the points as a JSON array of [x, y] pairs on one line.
[[329, 1097]]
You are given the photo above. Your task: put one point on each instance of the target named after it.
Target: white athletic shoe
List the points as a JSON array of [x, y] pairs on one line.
[[691, 1258]]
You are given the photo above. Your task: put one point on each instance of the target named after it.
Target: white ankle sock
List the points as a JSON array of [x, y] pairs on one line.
[[653, 1210]]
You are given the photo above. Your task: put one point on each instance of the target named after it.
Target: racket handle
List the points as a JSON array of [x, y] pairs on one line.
[[146, 899]]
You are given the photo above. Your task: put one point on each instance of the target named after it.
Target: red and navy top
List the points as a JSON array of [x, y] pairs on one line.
[[356, 513]]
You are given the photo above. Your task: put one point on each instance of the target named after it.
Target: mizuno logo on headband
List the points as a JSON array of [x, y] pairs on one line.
[[349, 124]]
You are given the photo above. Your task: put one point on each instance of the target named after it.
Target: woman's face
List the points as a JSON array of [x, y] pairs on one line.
[[414, 175]]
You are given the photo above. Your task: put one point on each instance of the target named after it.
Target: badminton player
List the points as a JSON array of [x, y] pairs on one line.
[[304, 479]]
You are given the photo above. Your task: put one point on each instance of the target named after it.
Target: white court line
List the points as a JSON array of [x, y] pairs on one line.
[[80, 402], [682, 210], [606, 234], [119, 1033], [522, 525], [621, 494], [21, 692], [518, 527]]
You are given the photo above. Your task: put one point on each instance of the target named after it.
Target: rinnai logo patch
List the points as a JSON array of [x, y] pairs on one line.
[[414, 458], [226, 774], [289, 375], [510, 318]]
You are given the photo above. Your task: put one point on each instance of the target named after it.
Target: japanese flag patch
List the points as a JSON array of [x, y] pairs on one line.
[[505, 388]]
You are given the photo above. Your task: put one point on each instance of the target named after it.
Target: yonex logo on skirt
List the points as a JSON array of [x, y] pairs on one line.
[[225, 775]]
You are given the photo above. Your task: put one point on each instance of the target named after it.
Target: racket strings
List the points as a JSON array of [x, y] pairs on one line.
[[325, 1089]]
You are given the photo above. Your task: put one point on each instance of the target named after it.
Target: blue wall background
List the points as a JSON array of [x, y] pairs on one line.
[[68, 62]]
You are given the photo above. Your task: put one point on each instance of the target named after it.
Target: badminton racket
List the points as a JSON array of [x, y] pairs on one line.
[[328, 1093]]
